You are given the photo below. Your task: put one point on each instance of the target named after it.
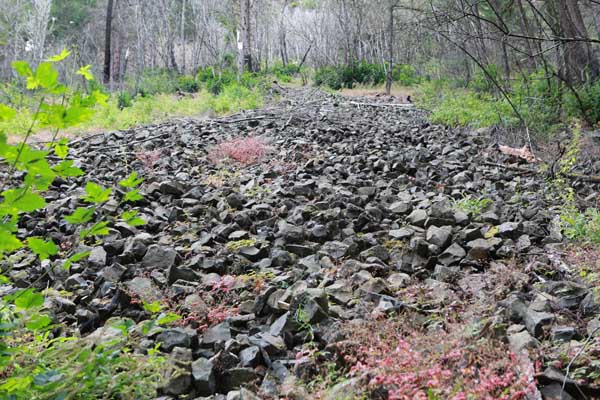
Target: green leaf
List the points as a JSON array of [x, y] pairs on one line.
[[152, 308], [168, 318], [61, 150], [21, 200], [6, 113], [99, 229], [59, 57], [9, 242], [133, 196], [16, 384], [47, 378], [4, 280], [38, 321], [81, 215], [124, 325], [75, 258], [22, 68], [28, 298], [85, 72], [43, 249], [65, 169], [46, 75], [96, 193], [131, 218], [131, 181]]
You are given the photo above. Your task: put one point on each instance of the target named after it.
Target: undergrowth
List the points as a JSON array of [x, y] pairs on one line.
[[399, 361]]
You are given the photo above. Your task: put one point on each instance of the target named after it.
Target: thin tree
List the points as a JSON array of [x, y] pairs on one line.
[[107, 41]]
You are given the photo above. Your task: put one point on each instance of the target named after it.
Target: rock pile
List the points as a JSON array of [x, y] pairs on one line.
[[353, 202]]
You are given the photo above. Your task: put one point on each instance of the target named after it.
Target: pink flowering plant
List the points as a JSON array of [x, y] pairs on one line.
[[410, 364], [244, 151]]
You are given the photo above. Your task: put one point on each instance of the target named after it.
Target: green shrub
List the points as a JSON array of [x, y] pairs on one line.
[[405, 74], [461, 107], [154, 81], [328, 76], [481, 81], [284, 73], [187, 84], [339, 77], [124, 100], [472, 205], [38, 360], [589, 109]]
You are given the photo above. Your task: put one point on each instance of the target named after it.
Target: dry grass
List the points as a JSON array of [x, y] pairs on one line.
[[398, 92]]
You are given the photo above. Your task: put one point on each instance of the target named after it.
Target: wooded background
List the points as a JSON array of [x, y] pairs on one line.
[[436, 36]]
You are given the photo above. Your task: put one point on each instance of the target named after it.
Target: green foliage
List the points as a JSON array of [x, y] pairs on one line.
[[35, 362], [124, 100], [240, 244], [482, 82], [589, 108], [340, 77], [284, 73], [581, 227], [405, 74], [154, 81], [471, 205], [187, 84], [460, 107]]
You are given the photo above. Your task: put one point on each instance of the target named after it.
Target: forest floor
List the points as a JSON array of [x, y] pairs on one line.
[[348, 250]]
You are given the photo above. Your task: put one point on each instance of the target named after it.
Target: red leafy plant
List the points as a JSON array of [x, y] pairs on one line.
[[416, 364], [245, 151]]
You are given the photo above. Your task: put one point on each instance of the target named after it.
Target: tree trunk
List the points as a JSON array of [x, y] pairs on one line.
[[390, 76], [579, 64], [107, 41], [245, 40]]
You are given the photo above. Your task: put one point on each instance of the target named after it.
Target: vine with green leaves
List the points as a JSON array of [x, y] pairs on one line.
[[38, 357]]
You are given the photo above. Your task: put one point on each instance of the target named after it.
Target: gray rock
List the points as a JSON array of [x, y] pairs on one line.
[[402, 233], [590, 305], [535, 321], [144, 289], [563, 333], [418, 217], [179, 376], [113, 273], [235, 378], [236, 200], [335, 250], [401, 207], [522, 341], [97, 257], [176, 337], [452, 255], [172, 187], [439, 236], [159, 257], [204, 377], [217, 334], [250, 356]]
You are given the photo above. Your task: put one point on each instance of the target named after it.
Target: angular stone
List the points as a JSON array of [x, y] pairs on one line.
[[535, 321], [179, 377], [417, 218], [590, 305], [159, 257], [217, 334], [175, 337], [204, 377], [401, 234], [452, 255], [440, 237], [522, 340], [250, 356]]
